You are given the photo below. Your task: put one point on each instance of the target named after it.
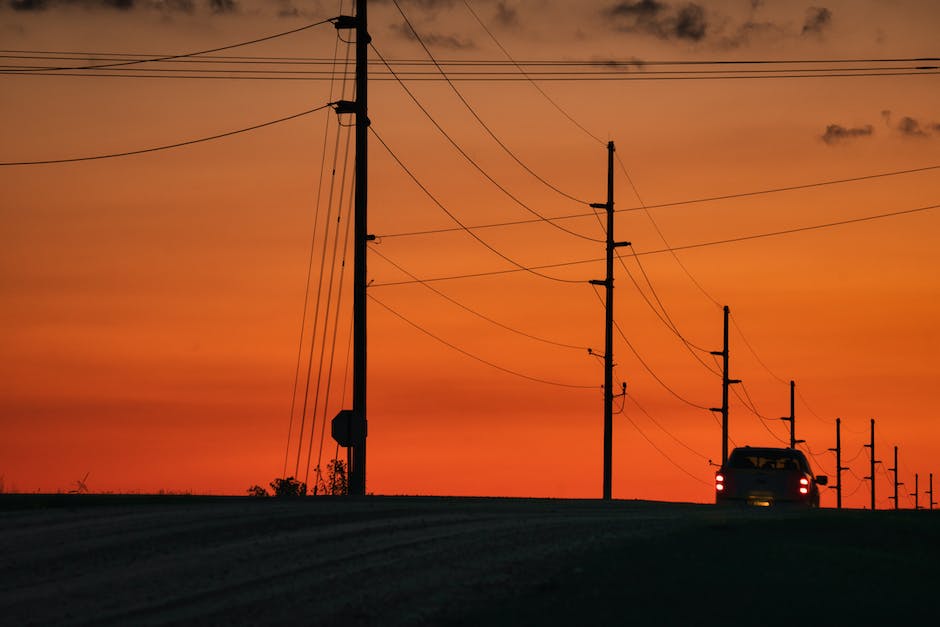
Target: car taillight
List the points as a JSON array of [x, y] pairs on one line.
[[804, 485], [719, 482]]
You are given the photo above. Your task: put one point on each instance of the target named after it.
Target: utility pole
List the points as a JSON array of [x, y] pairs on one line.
[[930, 492], [350, 428], [608, 283], [916, 492], [839, 466], [873, 462], [792, 418], [725, 383], [896, 483]]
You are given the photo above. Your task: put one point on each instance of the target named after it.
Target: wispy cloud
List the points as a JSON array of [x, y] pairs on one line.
[[434, 40], [506, 15], [836, 133], [910, 127], [660, 19], [818, 19]]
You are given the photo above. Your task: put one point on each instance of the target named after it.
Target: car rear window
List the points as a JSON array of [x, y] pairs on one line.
[[765, 460]]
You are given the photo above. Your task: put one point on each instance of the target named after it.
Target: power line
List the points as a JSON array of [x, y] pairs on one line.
[[476, 165], [529, 78], [645, 365], [477, 117], [168, 146], [477, 313], [191, 54], [690, 201], [448, 77], [685, 247], [531, 270], [659, 231], [612, 62], [664, 430], [475, 357], [663, 453], [313, 238]]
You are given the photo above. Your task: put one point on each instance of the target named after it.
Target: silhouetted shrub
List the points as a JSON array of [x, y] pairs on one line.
[[288, 486], [257, 490], [335, 481]]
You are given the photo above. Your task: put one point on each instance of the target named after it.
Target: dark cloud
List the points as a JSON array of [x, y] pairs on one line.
[[909, 127], [28, 5], [165, 6], [42, 5], [818, 19], [660, 19], [836, 133], [506, 15], [223, 6], [434, 40], [752, 30]]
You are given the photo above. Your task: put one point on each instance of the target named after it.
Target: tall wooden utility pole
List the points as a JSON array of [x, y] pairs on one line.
[[916, 492], [792, 417], [896, 483], [725, 383], [930, 492], [357, 460], [350, 428], [873, 461], [839, 467], [608, 283]]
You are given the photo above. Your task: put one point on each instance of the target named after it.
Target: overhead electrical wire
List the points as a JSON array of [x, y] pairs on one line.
[[529, 78], [473, 311], [659, 231], [645, 365], [477, 166], [192, 54], [85, 55], [329, 295], [317, 308], [477, 117], [663, 453], [168, 146], [461, 77], [475, 357], [664, 430], [730, 240], [685, 202], [450, 214]]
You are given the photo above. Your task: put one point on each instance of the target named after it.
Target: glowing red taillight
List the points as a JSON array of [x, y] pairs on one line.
[[804, 481], [719, 482], [804, 490]]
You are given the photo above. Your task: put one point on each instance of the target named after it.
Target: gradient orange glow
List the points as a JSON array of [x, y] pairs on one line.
[[152, 304]]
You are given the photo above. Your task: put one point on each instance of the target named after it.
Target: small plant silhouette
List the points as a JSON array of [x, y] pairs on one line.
[[257, 490], [335, 481], [287, 487]]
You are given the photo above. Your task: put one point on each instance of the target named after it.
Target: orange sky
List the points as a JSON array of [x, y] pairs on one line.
[[152, 304]]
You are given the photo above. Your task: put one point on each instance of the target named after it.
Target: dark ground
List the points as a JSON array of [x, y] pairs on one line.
[[87, 559]]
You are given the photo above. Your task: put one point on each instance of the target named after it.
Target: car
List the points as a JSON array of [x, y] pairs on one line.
[[767, 477]]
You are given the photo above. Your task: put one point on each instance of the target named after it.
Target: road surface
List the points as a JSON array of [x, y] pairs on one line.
[[110, 560]]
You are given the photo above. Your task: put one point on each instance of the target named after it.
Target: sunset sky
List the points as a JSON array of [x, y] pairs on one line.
[[151, 304]]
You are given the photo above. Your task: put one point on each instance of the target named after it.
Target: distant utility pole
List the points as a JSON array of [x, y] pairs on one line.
[[839, 466], [873, 462], [608, 283], [896, 483], [792, 418], [916, 492], [930, 492], [351, 427], [725, 383]]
